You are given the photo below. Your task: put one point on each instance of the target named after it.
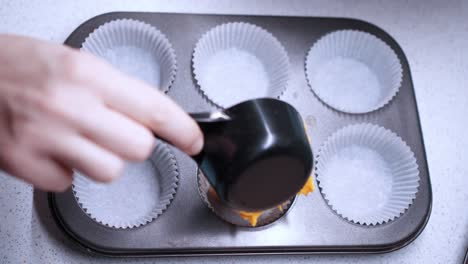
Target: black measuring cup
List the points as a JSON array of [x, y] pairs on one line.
[[256, 153]]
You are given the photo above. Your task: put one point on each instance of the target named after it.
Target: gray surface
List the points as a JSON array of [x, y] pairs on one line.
[[187, 224], [434, 36]]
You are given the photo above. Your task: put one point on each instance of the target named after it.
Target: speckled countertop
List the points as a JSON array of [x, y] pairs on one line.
[[434, 36]]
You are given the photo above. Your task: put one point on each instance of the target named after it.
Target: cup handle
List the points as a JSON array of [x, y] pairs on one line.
[[210, 117], [206, 120]]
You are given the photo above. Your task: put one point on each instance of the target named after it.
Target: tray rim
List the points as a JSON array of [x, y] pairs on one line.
[[89, 247]]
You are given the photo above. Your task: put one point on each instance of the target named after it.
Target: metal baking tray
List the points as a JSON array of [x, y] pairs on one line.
[[188, 227]]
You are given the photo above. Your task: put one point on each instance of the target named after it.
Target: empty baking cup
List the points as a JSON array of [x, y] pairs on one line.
[[353, 71], [138, 197], [235, 217], [235, 62], [367, 174], [135, 48]]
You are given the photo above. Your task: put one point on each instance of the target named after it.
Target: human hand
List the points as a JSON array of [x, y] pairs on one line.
[[61, 110]]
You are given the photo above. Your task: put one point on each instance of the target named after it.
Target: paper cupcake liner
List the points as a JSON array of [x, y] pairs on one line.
[[353, 71], [231, 215], [367, 174], [234, 62], [136, 48], [138, 197]]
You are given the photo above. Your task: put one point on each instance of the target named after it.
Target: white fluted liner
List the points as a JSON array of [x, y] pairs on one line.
[[353, 71], [136, 48], [367, 174], [141, 194], [234, 62]]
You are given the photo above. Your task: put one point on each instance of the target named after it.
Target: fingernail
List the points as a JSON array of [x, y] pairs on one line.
[[197, 146]]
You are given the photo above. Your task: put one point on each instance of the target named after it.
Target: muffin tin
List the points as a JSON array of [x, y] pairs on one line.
[[188, 227]]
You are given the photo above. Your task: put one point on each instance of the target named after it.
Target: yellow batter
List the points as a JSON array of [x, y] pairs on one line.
[[280, 207], [251, 217], [308, 187]]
